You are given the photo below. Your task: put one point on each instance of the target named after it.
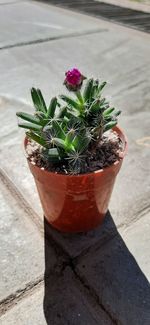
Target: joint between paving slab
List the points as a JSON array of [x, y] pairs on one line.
[[91, 293], [55, 38], [140, 214], [12, 299]]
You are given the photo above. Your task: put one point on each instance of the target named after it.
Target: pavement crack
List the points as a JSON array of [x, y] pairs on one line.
[[14, 298], [138, 216], [90, 293], [53, 38]]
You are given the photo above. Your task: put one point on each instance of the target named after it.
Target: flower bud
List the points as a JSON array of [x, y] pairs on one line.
[[74, 79]]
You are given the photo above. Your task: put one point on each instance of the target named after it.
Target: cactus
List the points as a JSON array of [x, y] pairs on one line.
[[70, 126]]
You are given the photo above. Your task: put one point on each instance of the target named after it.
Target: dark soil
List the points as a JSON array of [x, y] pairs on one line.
[[109, 150]]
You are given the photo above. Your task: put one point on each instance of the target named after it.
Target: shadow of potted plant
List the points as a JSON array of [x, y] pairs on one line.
[[74, 150], [106, 273]]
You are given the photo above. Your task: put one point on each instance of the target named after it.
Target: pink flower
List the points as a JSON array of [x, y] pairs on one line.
[[74, 79]]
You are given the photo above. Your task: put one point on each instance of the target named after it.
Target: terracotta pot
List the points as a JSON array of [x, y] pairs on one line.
[[75, 203]]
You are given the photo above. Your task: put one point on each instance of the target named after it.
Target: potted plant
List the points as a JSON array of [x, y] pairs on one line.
[[74, 150]]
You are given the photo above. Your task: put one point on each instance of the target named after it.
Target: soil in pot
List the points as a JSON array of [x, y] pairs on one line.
[[108, 150]]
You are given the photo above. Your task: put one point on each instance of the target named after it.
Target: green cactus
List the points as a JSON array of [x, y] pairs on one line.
[[67, 128]]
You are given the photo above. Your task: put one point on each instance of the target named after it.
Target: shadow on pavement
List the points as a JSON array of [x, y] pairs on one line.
[[112, 276]]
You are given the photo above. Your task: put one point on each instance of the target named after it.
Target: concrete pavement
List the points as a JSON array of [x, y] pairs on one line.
[[100, 277], [143, 5]]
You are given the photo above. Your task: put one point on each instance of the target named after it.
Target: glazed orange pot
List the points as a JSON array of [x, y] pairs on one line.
[[76, 203]]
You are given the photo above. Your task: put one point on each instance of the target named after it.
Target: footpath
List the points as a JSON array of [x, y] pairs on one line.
[[95, 278]]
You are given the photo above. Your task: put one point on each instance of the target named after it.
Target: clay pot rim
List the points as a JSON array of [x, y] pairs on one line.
[[96, 172]]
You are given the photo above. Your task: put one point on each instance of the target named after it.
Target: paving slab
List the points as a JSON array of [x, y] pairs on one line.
[[7, 2], [64, 303], [143, 5], [22, 248], [131, 193], [31, 21], [12, 146], [118, 55], [8, 109], [113, 50], [119, 274]]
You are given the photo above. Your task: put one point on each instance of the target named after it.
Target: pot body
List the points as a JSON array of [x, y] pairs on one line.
[[76, 203]]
